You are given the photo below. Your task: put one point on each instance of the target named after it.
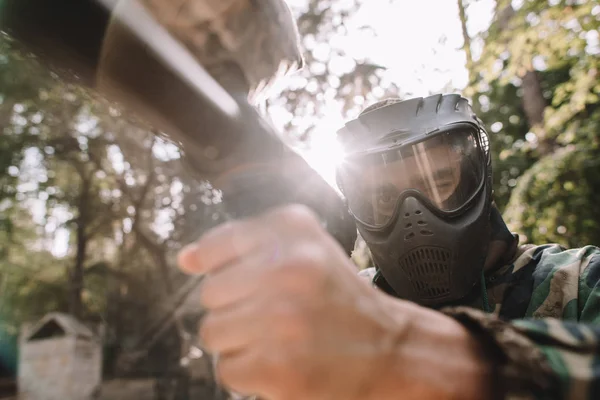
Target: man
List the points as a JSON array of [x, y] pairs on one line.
[[287, 313], [463, 311]]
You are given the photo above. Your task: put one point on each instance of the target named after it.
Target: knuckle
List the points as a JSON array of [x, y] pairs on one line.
[[305, 269], [285, 369], [314, 256], [312, 262], [310, 255], [290, 324], [208, 292], [296, 279], [207, 330], [299, 216], [225, 372], [276, 363], [224, 229]]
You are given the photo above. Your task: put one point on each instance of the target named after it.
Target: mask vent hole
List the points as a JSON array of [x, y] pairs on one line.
[[418, 212], [406, 215], [426, 232], [422, 223], [409, 236], [427, 269], [408, 226]]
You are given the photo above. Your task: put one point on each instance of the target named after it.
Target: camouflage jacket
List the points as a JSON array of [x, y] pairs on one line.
[[543, 332]]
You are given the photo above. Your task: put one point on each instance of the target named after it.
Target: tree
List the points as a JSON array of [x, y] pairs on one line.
[[537, 89], [62, 177], [552, 202], [331, 79], [462, 15]]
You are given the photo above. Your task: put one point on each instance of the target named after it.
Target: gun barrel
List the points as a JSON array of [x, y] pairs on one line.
[[119, 49]]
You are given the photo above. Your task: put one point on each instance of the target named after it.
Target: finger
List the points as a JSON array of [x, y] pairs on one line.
[[221, 245], [232, 329], [240, 280], [244, 372], [234, 240]]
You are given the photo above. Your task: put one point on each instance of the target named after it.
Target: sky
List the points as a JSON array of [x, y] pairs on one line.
[[408, 32], [408, 42]]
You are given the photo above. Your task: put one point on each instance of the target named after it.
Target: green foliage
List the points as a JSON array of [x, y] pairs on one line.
[[535, 166], [76, 175], [556, 199], [28, 294], [513, 151], [502, 114]]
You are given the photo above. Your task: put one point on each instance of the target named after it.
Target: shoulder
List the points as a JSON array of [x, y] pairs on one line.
[[545, 260], [561, 280]]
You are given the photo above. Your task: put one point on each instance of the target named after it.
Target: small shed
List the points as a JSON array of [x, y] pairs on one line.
[[59, 358]]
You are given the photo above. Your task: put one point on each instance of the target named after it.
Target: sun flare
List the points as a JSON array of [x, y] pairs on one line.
[[324, 151]]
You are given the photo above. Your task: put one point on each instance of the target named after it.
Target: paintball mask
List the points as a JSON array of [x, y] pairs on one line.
[[417, 179]]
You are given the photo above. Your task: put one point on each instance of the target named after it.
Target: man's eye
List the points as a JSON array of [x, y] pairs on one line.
[[386, 194], [444, 174]]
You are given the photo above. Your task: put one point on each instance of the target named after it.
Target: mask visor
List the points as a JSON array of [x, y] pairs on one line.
[[445, 170]]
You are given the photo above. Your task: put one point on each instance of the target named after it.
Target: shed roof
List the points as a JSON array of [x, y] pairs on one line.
[[47, 327]]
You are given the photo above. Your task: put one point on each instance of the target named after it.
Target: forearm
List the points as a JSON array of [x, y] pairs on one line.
[[435, 357]]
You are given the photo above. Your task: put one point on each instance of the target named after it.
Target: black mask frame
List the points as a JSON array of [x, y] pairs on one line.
[[427, 256], [355, 160]]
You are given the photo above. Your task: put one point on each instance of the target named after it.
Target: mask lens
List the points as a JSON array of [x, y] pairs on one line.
[[446, 169]]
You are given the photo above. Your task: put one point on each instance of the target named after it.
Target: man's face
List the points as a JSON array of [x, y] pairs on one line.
[[433, 168], [435, 173]]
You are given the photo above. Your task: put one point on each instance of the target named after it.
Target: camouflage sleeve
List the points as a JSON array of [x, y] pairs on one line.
[[554, 351]]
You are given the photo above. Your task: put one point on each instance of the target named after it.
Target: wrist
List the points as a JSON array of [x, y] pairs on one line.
[[433, 356]]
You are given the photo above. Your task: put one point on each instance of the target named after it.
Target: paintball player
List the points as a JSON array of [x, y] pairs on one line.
[[455, 307]]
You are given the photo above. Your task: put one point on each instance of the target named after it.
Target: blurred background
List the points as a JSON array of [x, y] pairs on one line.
[[94, 206]]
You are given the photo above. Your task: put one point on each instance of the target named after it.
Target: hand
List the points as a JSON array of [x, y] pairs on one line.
[[290, 319]]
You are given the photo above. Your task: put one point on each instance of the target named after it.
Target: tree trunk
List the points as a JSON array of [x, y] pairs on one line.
[[466, 38], [533, 98], [115, 297], [76, 276], [504, 13], [462, 14], [534, 102], [158, 253]]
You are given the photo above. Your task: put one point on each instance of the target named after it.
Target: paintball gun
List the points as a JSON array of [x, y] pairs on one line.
[[191, 68]]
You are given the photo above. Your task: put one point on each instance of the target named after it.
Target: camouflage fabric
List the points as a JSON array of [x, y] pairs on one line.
[[552, 296], [545, 322]]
